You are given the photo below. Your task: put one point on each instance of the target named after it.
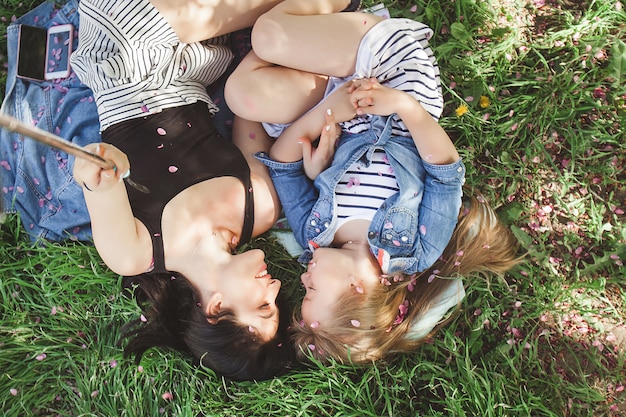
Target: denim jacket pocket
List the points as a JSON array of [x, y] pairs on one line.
[[320, 218], [399, 228]]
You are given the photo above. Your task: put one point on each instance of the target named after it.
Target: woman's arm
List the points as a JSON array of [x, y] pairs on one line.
[[115, 229], [194, 20]]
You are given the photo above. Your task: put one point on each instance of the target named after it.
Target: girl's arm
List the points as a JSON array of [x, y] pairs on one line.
[[432, 142], [287, 147], [115, 229]]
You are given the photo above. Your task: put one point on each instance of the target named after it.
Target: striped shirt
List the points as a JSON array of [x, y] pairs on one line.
[[363, 188], [395, 52], [135, 64]]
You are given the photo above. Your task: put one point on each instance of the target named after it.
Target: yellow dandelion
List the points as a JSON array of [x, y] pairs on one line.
[[461, 110], [484, 102]]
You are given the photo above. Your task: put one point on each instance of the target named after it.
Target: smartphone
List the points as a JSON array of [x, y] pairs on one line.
[[58, 51], [31, 52]]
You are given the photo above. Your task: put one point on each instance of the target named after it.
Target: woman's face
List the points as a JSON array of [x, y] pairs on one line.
[[245, 287]]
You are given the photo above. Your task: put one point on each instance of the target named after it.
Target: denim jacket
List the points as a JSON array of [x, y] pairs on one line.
[[411, 228], [36, 180]]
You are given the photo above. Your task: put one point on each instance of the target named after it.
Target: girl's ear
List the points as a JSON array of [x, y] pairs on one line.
[[213, 307], [356, 285]]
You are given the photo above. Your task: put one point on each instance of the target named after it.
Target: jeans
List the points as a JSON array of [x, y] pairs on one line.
[[36, 179]]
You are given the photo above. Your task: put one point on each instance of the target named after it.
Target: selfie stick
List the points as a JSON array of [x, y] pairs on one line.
[[14, 125]]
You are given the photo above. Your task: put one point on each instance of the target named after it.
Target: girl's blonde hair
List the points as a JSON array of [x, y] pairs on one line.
[[372, 325]]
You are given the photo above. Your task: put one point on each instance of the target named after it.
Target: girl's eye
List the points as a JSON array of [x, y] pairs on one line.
[[264, 306]]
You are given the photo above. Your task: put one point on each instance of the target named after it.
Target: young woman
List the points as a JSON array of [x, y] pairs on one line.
[[148, 70], [379, 225]]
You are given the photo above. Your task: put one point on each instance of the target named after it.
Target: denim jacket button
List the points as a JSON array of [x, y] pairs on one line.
[[404, 239], [371, 235], [388, 236], [459, 169], [326, 225], [313, 223]]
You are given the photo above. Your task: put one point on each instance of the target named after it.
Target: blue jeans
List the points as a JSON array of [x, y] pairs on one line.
[[37, 180]]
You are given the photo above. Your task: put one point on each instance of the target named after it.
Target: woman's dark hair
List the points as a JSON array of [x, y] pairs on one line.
[[173, 319]]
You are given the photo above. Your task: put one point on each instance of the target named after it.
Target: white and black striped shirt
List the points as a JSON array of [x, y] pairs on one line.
[[362, 189], [135, 64]]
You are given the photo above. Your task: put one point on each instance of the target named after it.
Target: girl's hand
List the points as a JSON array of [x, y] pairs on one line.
[[317, 159], [93, 178], [368, 96], [340, 103]]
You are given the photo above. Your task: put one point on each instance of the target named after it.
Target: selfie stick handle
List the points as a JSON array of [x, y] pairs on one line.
[[14, 125]]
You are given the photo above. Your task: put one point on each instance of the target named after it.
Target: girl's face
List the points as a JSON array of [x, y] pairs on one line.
[[245, 287], [331, 273]]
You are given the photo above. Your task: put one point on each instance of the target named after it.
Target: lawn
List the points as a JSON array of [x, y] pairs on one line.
[[536, 104]]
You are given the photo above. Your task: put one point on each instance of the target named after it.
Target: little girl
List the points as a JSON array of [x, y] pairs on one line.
[[376, 204]]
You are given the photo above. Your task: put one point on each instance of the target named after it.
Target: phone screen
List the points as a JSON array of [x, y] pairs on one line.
[[58, 54], [31, 58]]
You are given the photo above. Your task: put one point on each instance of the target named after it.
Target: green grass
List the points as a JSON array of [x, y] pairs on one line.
[[548, 339]]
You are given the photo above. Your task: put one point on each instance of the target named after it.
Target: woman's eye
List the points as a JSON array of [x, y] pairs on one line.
[[264, 306]]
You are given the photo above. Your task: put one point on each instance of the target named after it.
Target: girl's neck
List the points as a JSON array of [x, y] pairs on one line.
[[354, 231]]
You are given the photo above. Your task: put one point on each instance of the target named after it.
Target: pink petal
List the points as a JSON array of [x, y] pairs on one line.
[[422, 229], [41, 357], [13, 392], [161, 131], [167, 396], [355, 323], [172, 169], [143, 318], [311, 347], [315, 325]]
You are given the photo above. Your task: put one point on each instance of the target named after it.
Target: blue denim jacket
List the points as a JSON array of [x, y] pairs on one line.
[[36, 180], [411, 228]]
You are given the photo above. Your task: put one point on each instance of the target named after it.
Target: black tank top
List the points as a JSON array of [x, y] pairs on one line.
[[171, 151]]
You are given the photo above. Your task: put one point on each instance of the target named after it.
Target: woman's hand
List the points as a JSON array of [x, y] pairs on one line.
[[92, 177], [317, 159]]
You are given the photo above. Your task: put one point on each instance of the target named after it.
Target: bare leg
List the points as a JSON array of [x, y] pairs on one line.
[[263, 92], [296, 35], [301, 34]]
